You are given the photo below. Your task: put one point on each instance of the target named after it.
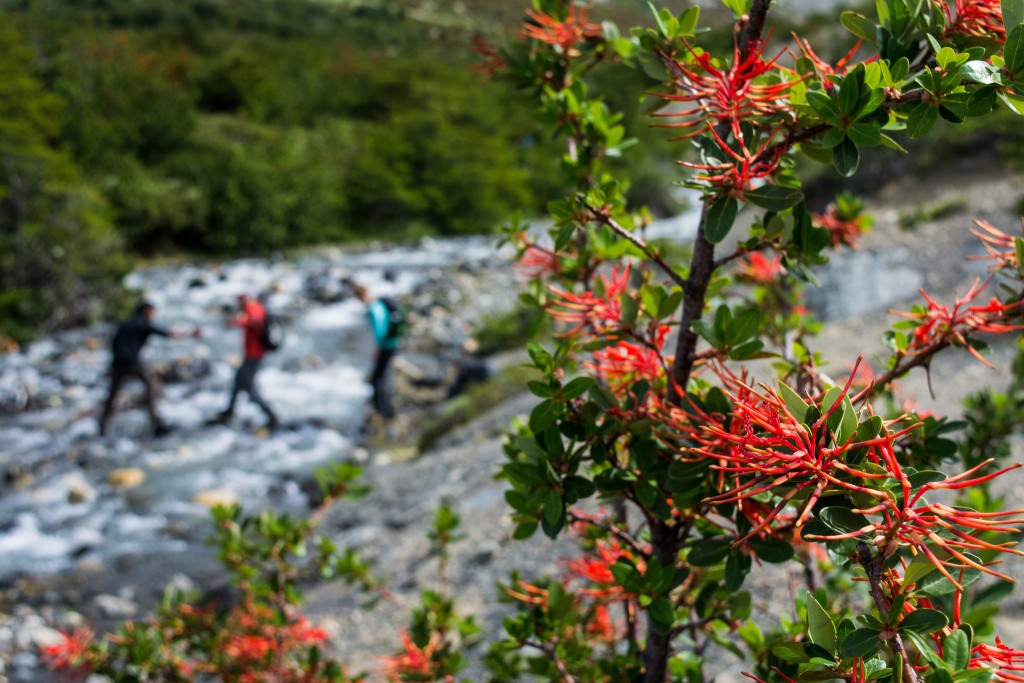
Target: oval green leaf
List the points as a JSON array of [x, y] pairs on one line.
[[860, 643], [924, 621]]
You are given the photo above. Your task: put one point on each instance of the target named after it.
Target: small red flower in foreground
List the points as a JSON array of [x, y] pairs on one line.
[[728, 96], [412, 661], [823, 68], [599, 315], [70, 653], [978, 18], [843, 230], [747, 165], [623, 364], [1003, 661], [537, 262], [760, 268], [937, 324], [595, 568], [492, 59], [1001, 247], [564, 33]]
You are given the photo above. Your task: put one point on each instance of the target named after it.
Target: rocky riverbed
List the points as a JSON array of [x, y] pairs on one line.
[[114, 570]]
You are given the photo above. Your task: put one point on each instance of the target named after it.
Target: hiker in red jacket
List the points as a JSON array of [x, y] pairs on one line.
[[251, 319]]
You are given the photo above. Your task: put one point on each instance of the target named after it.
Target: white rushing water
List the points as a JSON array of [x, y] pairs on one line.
[[57, 505]]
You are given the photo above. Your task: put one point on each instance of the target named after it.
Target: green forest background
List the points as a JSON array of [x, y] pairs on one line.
[[241, 127], [140, 129]]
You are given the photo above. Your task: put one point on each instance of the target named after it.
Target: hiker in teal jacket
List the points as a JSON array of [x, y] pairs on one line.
[[386, 336]]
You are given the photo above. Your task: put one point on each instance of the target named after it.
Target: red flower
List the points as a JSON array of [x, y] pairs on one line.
[[565, 33], [413, 662], [71, 653], [1001, 247], [728, 96], [760, 268], [746, 166], [537, 262], [601, 315], [623, 364], [1003, 661], [843, 229], [596, 569], [977, 18], [937, 324], [823, 68], [492, 59]]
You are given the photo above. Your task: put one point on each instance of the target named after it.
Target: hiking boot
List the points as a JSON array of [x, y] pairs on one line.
[[222, 418]]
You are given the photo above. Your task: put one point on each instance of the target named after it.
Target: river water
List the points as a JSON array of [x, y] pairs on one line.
[[59, 499]]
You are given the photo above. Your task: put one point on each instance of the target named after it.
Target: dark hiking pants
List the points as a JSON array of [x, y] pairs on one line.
[[245, 380], [379, 379], [118, 374]]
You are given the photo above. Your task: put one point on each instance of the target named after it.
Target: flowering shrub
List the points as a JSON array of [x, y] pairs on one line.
[[687, 396]]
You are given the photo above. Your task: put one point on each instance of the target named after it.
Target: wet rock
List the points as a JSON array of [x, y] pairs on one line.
[[215, 497], [126, 477], [115, 606]]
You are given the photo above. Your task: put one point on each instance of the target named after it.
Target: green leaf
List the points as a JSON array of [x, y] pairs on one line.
[[973, 676], [791, 653], [865, 134], [934, 585], [980, 72], [846, 158], [545, 414], [630, 309], [662, 613], [1013, 14], [956, 650], [919, 567], [794, 404], [859, 643], [771, 550], [858, 25], [819, 625], [921, 119], [708, 552], [843, 520], [849, 92], [774, 197], [924, 621], [1013, 50], [720, 217], [824, 106]]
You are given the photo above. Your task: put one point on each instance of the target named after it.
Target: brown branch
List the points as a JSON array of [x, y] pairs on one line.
[[875, 568], [548, 649], [605, 219]]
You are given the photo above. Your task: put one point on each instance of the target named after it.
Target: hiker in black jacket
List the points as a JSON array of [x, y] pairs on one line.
[[130, 337]]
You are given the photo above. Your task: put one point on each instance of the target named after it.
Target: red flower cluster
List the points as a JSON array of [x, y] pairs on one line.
[[842, 230], [976, 18], [595, 568], [598, 315], [627, 362], [414, 662], [537, 262], [1001, 247], [937, 324], [823, 68], [768, 448], [565, 33], [1004, 662], [728, 96], [71, 654], [760, 268]]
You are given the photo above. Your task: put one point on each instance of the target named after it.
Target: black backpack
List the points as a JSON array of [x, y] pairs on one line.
[[272, 334], [398, 325]]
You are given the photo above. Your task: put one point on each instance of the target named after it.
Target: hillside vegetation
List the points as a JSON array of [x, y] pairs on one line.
[[236, 128]]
